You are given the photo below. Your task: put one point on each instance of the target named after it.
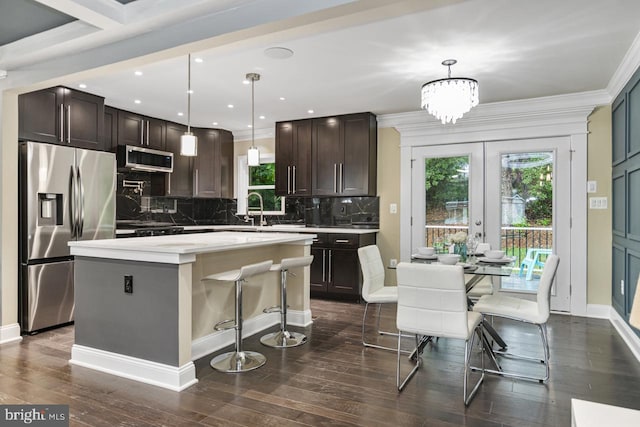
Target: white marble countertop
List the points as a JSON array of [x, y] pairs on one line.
[[277, 228], [182, 248]]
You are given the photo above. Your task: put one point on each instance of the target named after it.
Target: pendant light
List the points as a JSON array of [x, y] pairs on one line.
[[253, 154], [188, 141]]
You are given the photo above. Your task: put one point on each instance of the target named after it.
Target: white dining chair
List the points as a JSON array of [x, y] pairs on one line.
[[518, 309], [373, 289], [432, 301]]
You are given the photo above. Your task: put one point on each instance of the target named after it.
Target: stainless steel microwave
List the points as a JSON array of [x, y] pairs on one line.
[[144, 159]]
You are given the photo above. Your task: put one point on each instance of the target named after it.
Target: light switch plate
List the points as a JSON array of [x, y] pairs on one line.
[[592, 186], [598, 203], [393, 208]]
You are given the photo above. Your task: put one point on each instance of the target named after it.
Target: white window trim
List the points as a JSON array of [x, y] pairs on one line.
[[243, 185]]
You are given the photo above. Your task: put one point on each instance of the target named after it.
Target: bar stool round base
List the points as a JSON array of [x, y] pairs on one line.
[[238, 362], [282, 339]]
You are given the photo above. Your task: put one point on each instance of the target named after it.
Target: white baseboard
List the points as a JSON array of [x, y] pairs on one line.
[[599, 311], [221, 339], [10, 333], [625, 331], [158, 374]]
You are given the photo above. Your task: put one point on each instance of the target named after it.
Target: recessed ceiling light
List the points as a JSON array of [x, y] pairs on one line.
[[249, 126], [138, 73], [181, 114], [230, 106], [137, 101], [82, 86], [199, 60], [262, 117], [278, 53], [215, 123], [310, 111], [282, 98]]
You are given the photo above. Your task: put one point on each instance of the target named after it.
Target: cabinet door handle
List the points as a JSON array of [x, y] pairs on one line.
[[330, 256], [61, 122], [142, 133], [324, 263], [341, 176], [147, 132], [196, 189], [288, 179], [335, 175], [168, 183], [342, 240], [294, 180], [68, 124]]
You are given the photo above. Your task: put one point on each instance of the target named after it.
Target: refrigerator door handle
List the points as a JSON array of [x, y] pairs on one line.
[[72, 203], [80, 203], [61, 123]]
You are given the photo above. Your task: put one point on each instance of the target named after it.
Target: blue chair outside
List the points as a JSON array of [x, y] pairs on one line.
[[532, 260]]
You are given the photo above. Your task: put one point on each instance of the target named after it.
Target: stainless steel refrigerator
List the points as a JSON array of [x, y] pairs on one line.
[[65, 194]]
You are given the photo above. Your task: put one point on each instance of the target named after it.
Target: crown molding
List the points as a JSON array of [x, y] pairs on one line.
[[626, 69], [547, 116], [245, 135]]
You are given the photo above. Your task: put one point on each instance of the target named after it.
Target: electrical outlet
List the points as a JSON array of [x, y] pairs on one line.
[[128, 284], [393, 263], [621, 287], [393, 208]]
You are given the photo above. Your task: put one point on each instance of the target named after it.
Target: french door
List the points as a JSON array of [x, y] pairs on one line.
[[514, 195]]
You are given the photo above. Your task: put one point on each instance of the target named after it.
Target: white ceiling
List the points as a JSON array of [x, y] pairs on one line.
[[516, 49]]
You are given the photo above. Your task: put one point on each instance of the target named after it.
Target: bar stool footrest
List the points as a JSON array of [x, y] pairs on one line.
[[273, 309], [219, 326]]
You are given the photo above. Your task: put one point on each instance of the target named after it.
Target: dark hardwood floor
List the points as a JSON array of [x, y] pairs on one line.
[[333, 380]]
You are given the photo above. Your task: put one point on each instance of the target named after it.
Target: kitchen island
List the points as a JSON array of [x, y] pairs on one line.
[[143, 312]]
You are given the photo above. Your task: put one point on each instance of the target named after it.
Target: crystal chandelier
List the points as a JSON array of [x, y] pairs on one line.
[[448, 99]]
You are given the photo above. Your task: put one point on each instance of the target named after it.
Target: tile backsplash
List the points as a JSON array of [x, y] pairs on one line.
[[134, 203]]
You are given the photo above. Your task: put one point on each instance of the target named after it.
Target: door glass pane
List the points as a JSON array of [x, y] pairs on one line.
[[447, 199], [526, 216]]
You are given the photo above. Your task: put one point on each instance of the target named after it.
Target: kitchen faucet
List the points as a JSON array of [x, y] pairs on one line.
[[253, 193]]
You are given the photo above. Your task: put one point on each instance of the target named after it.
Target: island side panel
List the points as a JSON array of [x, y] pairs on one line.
[[214, 301], [142, 324]]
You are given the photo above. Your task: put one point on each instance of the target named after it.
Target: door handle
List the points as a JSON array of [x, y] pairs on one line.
[[335, 177], [341, 176], [168, 183], [294, 179], [61, 122], [142, 132], [147, 132], [478, 222], [324, 264], [80, 203], [330, 257], [68, 124], [72, 203], [288, 179], [342, 241], [196, 188]]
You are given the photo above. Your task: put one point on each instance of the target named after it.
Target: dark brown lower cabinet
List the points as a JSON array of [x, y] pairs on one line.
[[335, 271]]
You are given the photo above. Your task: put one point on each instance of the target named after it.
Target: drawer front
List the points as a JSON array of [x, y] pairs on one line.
[[343, 240]]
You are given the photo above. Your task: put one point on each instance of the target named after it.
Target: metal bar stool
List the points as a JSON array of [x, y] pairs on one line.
[[238, 360], [284, 338]]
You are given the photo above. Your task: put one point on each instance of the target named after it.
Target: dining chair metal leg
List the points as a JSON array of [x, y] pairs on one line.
[[418, 363], [381, 347], [545, 361], [468, 348]]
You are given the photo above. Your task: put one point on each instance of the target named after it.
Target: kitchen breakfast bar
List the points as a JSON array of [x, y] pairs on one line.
[[142, 310]]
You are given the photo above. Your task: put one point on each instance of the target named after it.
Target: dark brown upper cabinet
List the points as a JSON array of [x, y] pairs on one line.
[[110, 129], [135, 129], [344, 154], [63, 116], [213, 166], [178, 182], [293, 158]]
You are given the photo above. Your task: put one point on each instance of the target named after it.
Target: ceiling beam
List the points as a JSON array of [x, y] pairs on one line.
[[105, 14]]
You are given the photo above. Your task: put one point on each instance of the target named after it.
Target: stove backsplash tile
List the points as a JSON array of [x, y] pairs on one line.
[[133, 202]]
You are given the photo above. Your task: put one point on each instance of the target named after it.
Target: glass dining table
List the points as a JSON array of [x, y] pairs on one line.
[[477, 270]]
